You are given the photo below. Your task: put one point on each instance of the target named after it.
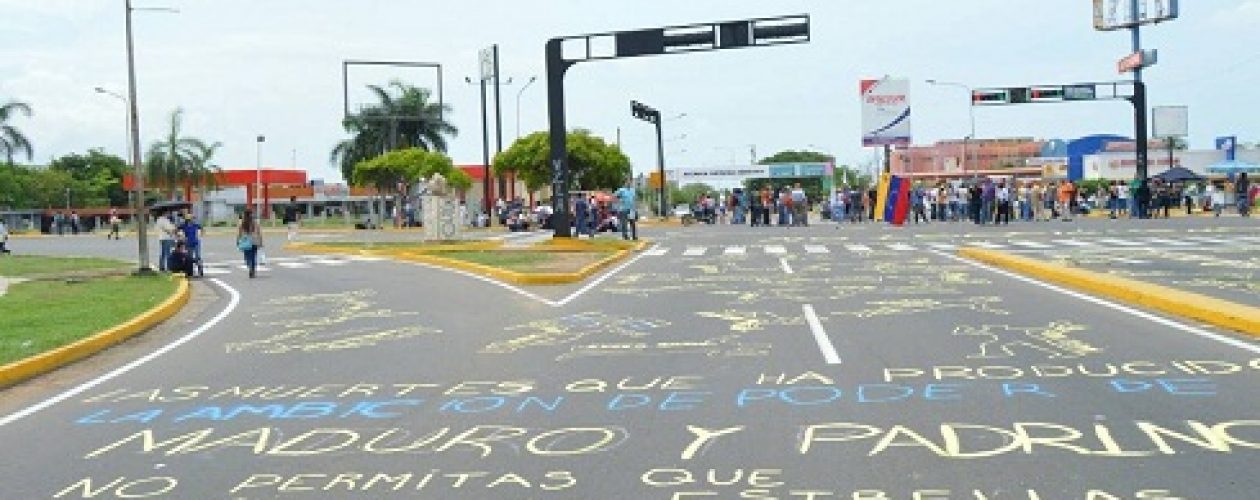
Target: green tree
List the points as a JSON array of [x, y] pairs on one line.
[[404, 117], [178, 161], [791, 156], [11, 139], [848, 176], [689, 194], [408, 165], [98, 173], [593, 163]]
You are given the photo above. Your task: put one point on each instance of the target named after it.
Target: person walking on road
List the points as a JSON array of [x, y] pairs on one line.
[[291, 218], [1242, 193], [114, 223], [192, 232], [167, 234], [626, 212], [249, 240], [4, 238], [917, 205], [1216, 196], [581, 210], [800, 206], [1003, 195]]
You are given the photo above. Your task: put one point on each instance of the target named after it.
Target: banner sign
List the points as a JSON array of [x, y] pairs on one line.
[[1170, 121], [1110, 15], [1229, 145], [885, 112]]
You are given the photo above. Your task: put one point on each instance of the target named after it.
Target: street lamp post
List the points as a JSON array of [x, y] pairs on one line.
[[258, 184], [126, 116], [971, 110], [531, 81]]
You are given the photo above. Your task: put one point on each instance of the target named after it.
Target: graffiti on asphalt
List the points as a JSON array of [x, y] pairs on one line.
[[899, 307], [1006, 341], [328, 322]]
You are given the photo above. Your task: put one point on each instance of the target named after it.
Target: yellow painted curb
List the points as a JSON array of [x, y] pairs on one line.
[[434, 257], [39, 364], [1211, 310]]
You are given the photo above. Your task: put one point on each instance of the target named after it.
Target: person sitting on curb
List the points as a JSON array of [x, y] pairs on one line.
[[180, 261]]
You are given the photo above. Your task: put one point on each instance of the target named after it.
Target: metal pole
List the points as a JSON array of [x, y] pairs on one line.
[[498, 118], [887, 158], [1139, 100], [258, 202], [556, 67], [485, 156], [519, 93], [660, 166], [142, 235]]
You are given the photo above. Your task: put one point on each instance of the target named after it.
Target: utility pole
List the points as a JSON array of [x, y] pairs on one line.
[[137, 174]]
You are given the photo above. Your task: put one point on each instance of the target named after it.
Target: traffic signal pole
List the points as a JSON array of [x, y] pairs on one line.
[[1139, 101], [660, 167]]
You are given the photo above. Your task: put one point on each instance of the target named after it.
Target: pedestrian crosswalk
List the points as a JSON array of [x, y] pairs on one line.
[[895, 247], [297, 262]]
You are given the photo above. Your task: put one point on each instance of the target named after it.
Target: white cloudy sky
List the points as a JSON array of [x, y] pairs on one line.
[[245, 67]]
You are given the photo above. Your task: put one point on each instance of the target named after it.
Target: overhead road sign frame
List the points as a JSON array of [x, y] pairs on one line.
[[565, 51], [1040, 94]]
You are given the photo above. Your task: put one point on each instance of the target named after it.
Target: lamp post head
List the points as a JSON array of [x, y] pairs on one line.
[[262, 138]]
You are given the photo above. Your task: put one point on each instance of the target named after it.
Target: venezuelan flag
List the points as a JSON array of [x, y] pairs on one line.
[[901, 206], [881, 196]]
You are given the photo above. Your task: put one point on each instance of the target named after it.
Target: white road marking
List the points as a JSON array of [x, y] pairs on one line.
[[84, 387], [1030, 244], [985, 244], [1175, 243], [596, 282], [786, 268], [330, 262], [857, 248], [901, 247], [1204, 239], [736, 250], [816, 249], [943, 246], [1074, 243], [775, 250], [1120, 242], [215, 271], [657, 251], [1112, 305], [695, 251], [820, 336], [295, 265]]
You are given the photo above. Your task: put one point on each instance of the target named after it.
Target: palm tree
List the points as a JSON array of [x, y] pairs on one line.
[[177, 161], [11, 139], [404, 117]]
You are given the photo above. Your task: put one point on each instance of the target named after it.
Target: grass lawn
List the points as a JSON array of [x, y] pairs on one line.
[[528, 261], [32, 266], [37, 316]]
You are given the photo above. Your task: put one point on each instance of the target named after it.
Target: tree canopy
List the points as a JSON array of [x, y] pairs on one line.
[[593, 163], [178, 161], [94, 180], [791, 156], [404, 116], [11, 139], [407, 165]]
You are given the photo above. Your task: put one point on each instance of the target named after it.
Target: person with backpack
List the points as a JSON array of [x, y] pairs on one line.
[[249, 240]]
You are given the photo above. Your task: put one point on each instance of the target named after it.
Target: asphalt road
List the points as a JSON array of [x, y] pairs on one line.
[[726, 362]]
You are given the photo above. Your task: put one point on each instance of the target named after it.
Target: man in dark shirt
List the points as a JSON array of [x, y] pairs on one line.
[[291, 217]]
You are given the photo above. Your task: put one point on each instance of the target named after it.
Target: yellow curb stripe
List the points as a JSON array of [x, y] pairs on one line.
[[433, 256], [42, 363], [1211, 310]]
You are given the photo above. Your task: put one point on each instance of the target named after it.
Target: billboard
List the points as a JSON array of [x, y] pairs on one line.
[[885, 112], [1170, 121], [1110, 15]]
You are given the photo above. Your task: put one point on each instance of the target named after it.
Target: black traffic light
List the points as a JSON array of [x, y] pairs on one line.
[[644, 112]]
